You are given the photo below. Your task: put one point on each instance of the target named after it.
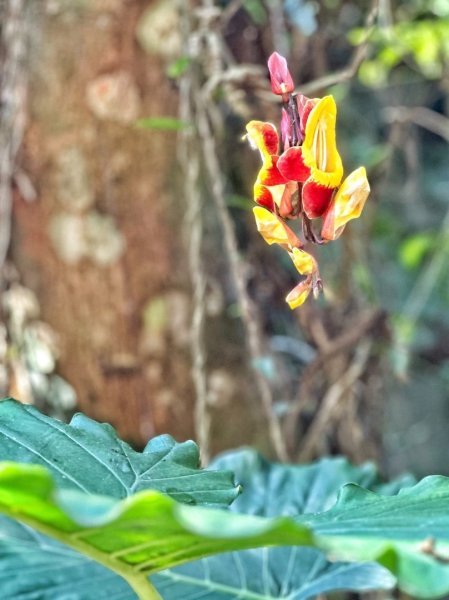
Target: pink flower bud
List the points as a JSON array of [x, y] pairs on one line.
[[281, 80]]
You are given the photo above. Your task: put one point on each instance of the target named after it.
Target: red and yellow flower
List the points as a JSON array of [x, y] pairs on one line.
[[304, 180], [316, 163]]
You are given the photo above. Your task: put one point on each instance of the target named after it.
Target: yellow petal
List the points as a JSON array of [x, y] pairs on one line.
[[319, 149], [347, 204], [303, 261], [299, 294], [272, 229]]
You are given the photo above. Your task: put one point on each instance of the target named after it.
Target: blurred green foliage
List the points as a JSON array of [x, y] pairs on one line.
[[398, 252], [406, 224], [162, 123]]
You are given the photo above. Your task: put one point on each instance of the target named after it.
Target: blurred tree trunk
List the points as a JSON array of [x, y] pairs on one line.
[[100, 244]]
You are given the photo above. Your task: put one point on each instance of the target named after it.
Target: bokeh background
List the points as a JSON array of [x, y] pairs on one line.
[[134, 285]]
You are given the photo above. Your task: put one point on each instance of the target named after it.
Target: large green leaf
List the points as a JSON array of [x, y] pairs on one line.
[[408, 533], [272, 489], [88, 456], [149, 531], [136, 536], [269, 574], [35, 567], [293, 572]]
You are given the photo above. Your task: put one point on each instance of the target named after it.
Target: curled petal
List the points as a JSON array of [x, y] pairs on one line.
[[347, 204], [303, 261], [315, 198], [305, 106], [273, 230], [291, 165], [281, 80], [264, 137], [277, 193], [289, 203], [319, 149], [263, 196], [299, 294]]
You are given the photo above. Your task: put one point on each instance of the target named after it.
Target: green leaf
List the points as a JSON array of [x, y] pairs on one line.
[[356, 36], [88, 456], [137, 536], [256, 11], [414, 249], [373, 73], [290, 572], [268, 573], [35, 567], [149, 531], [162, 124], [30, 561], [408, 533], [178, 67], [278, 489]]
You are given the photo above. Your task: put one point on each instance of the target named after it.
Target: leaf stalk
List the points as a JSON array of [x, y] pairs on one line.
[[142, 586]]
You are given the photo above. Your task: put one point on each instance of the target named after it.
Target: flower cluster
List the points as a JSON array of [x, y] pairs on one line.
[[301, 178]]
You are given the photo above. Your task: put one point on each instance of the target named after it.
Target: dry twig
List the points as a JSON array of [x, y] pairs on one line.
[[367, 322], [428, 278], [419, 115], [189, 158], [330, 403]]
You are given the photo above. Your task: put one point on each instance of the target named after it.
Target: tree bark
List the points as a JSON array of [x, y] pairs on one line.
[[100, 245]]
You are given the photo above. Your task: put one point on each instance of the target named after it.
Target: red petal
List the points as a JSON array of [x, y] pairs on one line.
[[310, 104], [315, 198], [270, 138], [305, 106], [262, 196], [269, 174], [281, 80], [328, 231], [292, 166]]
